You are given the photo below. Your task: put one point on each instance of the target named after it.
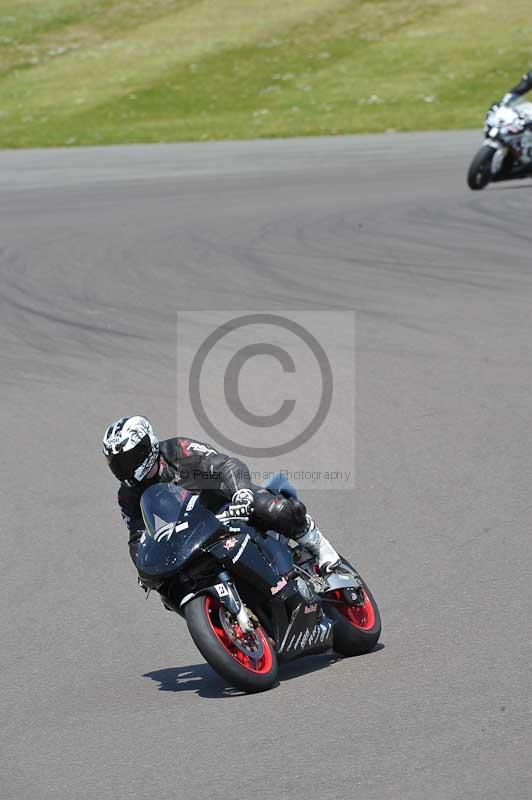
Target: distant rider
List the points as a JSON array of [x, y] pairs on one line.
[[137, 458], [524, 86]]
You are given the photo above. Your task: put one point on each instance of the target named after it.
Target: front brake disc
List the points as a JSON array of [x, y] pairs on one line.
[[248, 643]]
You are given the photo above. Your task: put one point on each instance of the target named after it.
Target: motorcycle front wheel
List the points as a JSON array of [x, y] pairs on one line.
[[479, 174], [247, 661]]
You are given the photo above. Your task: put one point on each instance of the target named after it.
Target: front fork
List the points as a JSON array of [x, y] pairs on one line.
[[226, 593], [499, 155]]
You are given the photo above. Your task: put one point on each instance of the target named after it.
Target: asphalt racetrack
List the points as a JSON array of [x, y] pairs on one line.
[[103, 693]]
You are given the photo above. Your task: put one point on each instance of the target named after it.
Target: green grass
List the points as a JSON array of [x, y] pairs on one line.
[[109, 71]]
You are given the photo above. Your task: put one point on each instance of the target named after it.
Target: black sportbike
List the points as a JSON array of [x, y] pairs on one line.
[[249, 598]]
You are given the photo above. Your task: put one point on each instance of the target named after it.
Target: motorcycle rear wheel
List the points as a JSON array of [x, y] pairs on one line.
[[357, 627], [246, 661], [479, 173]]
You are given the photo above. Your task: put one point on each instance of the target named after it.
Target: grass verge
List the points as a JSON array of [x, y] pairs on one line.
[[110, 71]]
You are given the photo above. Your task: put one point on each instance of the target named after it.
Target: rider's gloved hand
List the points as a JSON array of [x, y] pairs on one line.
[[508, 98], [241, 504]]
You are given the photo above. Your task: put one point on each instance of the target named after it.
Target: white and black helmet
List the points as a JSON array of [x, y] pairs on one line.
[[131, 447]]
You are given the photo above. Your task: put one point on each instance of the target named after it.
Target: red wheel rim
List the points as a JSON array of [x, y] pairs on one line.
[[360, 616], [260, 665]]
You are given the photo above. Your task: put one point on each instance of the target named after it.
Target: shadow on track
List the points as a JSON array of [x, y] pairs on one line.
[[513, 187], [202, 680]]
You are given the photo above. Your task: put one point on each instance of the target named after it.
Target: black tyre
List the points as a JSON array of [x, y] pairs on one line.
[[246, 661], [357, 627], [479, 173]]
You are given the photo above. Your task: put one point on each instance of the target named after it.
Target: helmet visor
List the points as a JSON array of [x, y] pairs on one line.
[[124, 465]]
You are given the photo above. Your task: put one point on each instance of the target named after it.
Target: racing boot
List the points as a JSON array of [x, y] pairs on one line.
[[316, 543]]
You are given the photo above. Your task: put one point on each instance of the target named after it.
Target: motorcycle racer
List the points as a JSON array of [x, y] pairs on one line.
[[138, 459], [521, 88]]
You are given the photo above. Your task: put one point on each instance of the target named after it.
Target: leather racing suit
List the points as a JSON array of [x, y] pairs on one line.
[[524, 86], [201, 469]]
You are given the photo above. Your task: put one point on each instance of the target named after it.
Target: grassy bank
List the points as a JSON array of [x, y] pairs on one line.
[[108, 71]]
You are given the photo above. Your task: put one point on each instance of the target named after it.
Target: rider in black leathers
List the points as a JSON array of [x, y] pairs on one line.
[[194, 466], [139, 460], [524, 86]]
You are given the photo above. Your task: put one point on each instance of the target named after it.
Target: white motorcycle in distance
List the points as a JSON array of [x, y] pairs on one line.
[[507, 150]]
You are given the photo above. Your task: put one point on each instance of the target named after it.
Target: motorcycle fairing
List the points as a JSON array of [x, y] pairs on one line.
[[299, 624], [307, 629], [262, 561], [177, 527]]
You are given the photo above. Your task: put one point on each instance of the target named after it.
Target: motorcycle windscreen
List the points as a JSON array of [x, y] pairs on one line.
[[176, 528], [279, 483]]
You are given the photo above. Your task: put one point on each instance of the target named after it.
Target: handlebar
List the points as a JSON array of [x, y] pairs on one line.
[[225, 517]]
